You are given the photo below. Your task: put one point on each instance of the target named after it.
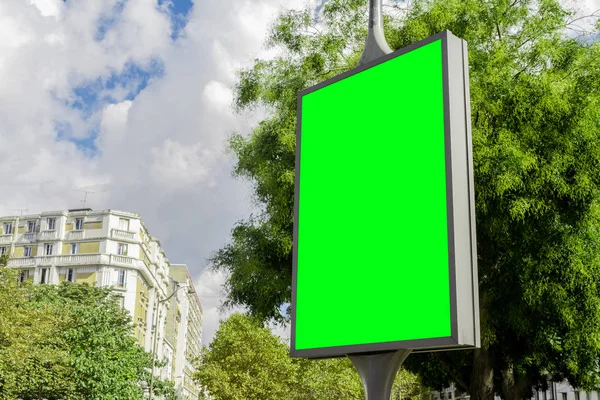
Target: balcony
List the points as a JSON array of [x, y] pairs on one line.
[[76, 235], [77, 259], [21, 262], [119, 234], [48, 235], [6, 239], [122, 260], [80, 259], [28, 237]]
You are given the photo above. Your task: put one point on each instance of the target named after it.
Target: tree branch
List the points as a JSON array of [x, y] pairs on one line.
[[443, 357]]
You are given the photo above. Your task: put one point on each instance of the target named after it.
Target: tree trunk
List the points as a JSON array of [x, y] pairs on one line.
[[513, 387], [482, 376], [481, 386], [509, 389]]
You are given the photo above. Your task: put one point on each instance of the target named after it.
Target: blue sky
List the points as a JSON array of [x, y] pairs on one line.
[[179, 12], [93, 95]]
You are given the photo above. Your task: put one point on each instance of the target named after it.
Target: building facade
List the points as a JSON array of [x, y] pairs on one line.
[[184, 324], [114, 248]]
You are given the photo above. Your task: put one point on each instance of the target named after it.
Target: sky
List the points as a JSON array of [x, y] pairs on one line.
[[131, 100]]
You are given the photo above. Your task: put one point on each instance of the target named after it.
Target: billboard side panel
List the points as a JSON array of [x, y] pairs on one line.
[[474, 272], [461, 194]]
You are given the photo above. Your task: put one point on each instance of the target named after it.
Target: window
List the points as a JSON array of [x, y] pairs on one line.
[[123, 224], [121, 281], [48, 249], [564, 396], [74, 248], [577, 395], [70, 275], [79, 224], [2, 250], [30, 226], [23, 275], [51, 224], [122, 249], [27, 251], [8, 228], [44, 277]]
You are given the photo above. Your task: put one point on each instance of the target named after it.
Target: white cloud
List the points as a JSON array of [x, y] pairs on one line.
[[48, 8], [176, 165], [209, 288], [218, 96]]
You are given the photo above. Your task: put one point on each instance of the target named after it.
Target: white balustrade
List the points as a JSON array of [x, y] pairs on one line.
[[79, 259], [48, 235], [21, 262], [5, 239], [115, 259], [75, 235], [119, 234], [28, 237]]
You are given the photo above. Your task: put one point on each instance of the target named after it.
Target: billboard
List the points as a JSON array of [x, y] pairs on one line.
[[384, 228]]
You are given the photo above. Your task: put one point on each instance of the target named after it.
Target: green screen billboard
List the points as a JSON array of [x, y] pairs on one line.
[[384, 233]]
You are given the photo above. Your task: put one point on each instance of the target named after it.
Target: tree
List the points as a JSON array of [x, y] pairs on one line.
[[245, 361], [535, 94], [33, 360], [105, 361], [68, 342]]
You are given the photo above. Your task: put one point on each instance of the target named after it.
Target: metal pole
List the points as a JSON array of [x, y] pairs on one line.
[[376, 45], [378, 371]]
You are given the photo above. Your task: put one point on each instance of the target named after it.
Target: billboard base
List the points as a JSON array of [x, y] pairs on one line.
[[377, 372]]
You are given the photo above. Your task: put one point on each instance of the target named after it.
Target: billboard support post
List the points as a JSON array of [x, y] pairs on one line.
[[378, 371], [376, 45]]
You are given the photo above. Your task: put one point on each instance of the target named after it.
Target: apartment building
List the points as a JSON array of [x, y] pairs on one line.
[[114, 248], [184, 326]]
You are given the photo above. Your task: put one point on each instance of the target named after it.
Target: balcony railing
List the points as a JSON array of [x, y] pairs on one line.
[[122, 260], [21, 262], [75, 235], [76, 259], [28, 237], [119, 234], [5, 239], [48, 235], [79, 259]]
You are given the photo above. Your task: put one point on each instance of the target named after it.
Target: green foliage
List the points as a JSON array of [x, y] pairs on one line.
[[105, 361], [30, 344], [535, 99], [68, 342], [245, 361]]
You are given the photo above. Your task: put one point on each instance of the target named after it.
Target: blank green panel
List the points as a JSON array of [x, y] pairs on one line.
[[372, 242]]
